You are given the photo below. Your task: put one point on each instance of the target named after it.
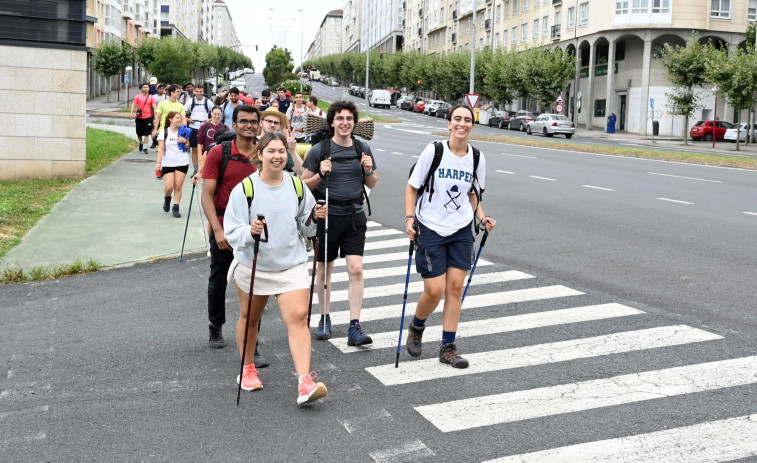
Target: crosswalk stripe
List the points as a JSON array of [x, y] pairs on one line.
[[723, 440], [382, 273], [342, 317], [387, 232], [499, 325], [566, 398], [371, 224], [563, 351], [384, 244], [380, 258], [417, 286]]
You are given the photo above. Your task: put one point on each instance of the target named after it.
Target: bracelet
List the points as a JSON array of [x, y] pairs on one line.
[[409, 217], [320, 174]]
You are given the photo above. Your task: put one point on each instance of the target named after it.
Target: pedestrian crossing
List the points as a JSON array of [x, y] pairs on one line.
[[507, 305]]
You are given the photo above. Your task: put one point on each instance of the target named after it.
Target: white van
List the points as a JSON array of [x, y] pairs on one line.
[[380, 98]]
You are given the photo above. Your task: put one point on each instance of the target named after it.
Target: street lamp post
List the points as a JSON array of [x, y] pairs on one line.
[[302, 37], [127, 82], [715, 117]]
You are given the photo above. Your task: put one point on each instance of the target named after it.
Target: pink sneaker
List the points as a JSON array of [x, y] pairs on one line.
[[250, 381], [309, 390]]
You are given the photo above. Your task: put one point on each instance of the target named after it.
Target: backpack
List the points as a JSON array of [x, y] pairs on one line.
[[194, 103], [326, 151], [428, 182], [226, 157], [249, 189]]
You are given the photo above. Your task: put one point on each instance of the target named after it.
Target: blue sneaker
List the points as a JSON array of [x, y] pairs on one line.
[[356, 337], [324, 328]]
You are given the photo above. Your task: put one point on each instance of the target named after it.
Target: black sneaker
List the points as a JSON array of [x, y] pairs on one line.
[[448, 355], [175, 211], [415, 340], [356, 336], [260, 361], [167, 204], [216, 340], [140, 147], [324, 328]]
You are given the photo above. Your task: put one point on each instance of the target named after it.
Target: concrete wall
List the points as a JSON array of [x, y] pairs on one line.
[[42, 120]]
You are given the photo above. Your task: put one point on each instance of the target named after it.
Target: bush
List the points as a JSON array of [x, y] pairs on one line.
[[293, 86]]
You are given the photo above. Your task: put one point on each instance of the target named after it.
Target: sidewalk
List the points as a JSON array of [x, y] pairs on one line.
[[113, 217]]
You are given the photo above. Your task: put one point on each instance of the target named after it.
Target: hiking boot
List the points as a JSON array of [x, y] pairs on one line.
[[310, 391], [140, 147], [448, 355], [415, 340], [216, 340], [167, 204], [154, 144], [250, 381], [356, 336], [260, 361], [175, 211], [324, 329]]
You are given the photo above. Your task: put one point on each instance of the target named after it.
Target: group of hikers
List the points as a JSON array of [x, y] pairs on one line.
[[264, 202]]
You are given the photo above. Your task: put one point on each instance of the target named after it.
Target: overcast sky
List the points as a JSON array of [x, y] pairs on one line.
[[253, 26]]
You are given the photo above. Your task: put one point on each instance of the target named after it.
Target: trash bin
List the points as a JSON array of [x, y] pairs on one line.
[[655, 128], [476, 112], [611, 123]]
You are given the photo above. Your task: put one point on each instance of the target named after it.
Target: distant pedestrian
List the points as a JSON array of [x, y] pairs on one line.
[[173, 162], [296, 116], [198, 112], [312, 105], [282, 262], [188, 93], [265, 100], [166, 106], [444, 251], [159, 96], [229, 106], [273, 121], [153, 85], [283, 100], [144, 105]]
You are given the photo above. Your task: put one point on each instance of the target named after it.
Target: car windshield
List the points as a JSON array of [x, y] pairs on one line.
[[699, 124], [559, 117]]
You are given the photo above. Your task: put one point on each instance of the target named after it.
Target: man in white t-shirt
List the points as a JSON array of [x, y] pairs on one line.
[[312, 105], [198, 109], [296, 115]]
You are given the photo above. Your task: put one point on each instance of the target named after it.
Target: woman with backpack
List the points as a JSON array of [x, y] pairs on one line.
[[173, 162], [205, 136], [281, 267], [442, 201]]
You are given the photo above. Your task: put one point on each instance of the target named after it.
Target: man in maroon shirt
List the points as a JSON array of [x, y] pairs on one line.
[[215, 197]]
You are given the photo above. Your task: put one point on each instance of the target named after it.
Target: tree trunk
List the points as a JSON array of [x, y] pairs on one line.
[[685, 130], [738, 130], [107, 79]]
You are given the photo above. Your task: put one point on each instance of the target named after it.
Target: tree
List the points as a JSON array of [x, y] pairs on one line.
[[735, 77], [278, 62], [111, 58], [549, 72], [686, 68]]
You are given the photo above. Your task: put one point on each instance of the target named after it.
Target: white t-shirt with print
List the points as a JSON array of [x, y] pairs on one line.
[[200, 113], [173, 156], [450, 209]]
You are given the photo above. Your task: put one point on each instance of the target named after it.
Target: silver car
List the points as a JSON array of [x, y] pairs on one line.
[[550, 124]]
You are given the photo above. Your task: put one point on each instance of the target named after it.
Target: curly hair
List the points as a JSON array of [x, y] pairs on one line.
[[337, 107]]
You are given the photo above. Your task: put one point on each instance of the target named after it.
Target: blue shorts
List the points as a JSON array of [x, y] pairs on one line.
[[193, 138], [435, 253]]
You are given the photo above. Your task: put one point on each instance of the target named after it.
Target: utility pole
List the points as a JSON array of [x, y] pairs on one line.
[[473, 51]]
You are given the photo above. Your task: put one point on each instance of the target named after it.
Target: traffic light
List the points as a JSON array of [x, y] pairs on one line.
[[419, 82], [381, 54]]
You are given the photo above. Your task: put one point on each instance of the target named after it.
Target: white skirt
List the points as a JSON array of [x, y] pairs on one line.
[[269, 283]]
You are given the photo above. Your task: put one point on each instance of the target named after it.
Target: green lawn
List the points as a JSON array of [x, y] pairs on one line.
[[24, 202]]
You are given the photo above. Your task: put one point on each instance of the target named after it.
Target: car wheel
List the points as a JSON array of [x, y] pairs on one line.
[[547, 134], [499, 126], [708, 137], [521, 128], [528, 130], [568, 136]]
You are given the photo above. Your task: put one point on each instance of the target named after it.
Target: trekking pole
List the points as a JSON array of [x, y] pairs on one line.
[[189, 212], [473, 270], [315, 262], [326, 255], [249, 307], [404, 298]]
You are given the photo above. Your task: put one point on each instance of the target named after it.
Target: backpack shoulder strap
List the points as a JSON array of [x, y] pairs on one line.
[[325, 148], [428, 183], [225, 158], [297, 182], [249, 190]]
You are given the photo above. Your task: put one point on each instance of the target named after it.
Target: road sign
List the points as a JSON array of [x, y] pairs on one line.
[[558, 108], [559, 98], [578, 95], [127, 79], [651, 103], [472, 99]]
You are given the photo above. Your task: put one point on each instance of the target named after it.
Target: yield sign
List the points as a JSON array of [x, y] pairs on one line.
[[472, 99]]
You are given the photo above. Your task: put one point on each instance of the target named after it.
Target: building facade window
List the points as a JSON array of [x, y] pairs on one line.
[[751, 12], [639, 6], [584, 14], [720, 9], [571, 17], [515, 35], [496, 38], [507, 9], [621, 7], [504, 38], [545, 26], [516, 7], [524, 32], [499, 13], [536, 28], [660, 6], [557, 20], [525, 5]]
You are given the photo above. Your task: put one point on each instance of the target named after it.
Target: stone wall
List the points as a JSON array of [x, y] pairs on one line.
[[42, 112]]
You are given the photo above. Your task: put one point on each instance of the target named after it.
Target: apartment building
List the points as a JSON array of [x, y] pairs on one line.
[[382, 25], [328, 39], [206, 32], [351, 23], [179, 18], [615, 42], [224, 34]]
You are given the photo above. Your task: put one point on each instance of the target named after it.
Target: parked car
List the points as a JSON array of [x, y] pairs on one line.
[[500, 119], [353, 89], [241, 84], [419, 106], [380, 98], [730, 134], [432, 107], [441, 111], [550, 124], [408, 104], [706, 129], [334, 83], [403, 99], [520, 120]]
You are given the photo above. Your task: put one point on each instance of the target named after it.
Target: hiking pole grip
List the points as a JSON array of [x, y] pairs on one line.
[[483, 239]]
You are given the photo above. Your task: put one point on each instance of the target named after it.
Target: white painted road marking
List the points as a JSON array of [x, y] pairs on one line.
[[543, 178], [432, 334], [506, 172], [587, 395], [597, 188], [395, 152], [387, 232], [750, 213], [674, 201], [471, 302], [687, 178], [723, 440], [410, 451], [541, 354], [381, 273]]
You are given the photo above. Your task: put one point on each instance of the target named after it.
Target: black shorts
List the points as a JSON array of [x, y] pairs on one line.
[[144, 126], [168, 170], [346, 236], [193, 138]]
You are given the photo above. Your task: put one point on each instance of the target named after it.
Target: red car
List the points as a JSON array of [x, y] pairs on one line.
[[419, 107], [705, 129]]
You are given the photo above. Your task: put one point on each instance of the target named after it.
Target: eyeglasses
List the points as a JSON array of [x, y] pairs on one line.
[[342, 118], [246, 122], [272, 122]]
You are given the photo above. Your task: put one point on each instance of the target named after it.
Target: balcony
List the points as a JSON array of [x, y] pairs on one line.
[[555, 32], [556, 2], [454, 14]]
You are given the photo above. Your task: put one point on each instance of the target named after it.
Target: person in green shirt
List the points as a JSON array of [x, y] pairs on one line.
[[166, 106]]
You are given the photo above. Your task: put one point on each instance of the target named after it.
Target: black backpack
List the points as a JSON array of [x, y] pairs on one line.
[[428, 182], [326, 151]]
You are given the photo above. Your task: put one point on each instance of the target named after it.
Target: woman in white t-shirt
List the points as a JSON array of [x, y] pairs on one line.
[[444, 240], [173, 162]]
